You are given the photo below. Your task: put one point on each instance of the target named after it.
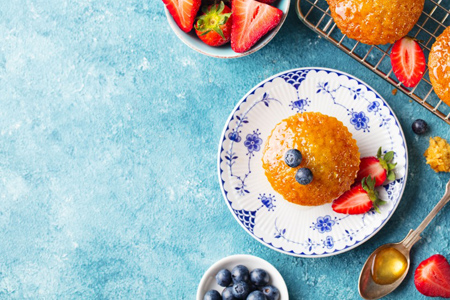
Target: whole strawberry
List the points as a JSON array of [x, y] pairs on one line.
[[379, 167], [213, 27]]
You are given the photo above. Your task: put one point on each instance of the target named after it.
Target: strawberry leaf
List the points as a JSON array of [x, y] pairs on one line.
[[391, 175], [368, 184], [391, 166], [371, 181], [383, 163], [381, 202], [389, 156], [221, 7], [205, 32], [218, 30], [379, 153], [377, 203], [376, 209]]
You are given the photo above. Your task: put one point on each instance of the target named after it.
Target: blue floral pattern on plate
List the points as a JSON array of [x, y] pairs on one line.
[[324, 224], [278, 224]]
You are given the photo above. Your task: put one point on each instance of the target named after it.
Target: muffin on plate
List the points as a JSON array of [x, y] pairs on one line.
[[375, 22], [327, 149], [439, 66]]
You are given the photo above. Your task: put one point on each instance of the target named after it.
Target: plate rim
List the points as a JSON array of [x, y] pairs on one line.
[[313, 255]]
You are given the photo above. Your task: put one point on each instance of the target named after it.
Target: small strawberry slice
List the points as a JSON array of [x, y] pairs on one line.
[[380, 167], [432, 277], [408, 61], [251, 21], [183, 12], [359, 199]]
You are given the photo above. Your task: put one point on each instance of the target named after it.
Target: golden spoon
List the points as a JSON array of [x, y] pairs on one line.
[[368, 288]]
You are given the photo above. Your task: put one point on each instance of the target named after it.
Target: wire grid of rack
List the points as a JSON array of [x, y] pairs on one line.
[[434, 19]]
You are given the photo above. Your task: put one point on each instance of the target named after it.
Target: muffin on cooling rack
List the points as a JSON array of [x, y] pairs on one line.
[[439, 66], [376, 22], [326, 163]]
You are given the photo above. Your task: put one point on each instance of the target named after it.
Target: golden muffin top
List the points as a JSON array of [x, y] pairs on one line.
[[376, 22], [439, 66], [328, 150]]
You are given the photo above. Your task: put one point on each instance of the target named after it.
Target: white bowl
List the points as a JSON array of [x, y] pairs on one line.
[[225, 51], [208, 281]]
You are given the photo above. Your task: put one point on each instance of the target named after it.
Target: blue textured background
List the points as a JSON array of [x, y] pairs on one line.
[[109, 127]]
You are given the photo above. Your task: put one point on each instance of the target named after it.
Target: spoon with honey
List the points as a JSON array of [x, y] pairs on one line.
[[388, 265]]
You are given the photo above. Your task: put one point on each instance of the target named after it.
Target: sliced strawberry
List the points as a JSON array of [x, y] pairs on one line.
[[432, 277], [408, 61], [183, 12], [213, 27], [359, 199], [380, 167], [251, 21], [353, 202]]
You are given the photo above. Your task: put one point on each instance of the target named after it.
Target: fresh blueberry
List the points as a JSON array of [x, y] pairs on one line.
[[293, 158], [240, 290], [304, 176], [256, 295], [419, 126], [223, 277], [271, 292], [259, 277], [239, 273], [212, 295], [227, 294]]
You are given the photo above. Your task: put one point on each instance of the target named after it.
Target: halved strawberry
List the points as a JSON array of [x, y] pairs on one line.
[[432, 277], [183, 12], [380, 167], [408, 61], [251, 21], [359, 199], [213, 27]]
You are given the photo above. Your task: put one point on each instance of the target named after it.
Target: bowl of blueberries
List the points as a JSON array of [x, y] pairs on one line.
[[244, 277]]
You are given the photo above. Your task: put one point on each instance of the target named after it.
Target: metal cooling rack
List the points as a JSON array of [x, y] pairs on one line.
[[434, 19]]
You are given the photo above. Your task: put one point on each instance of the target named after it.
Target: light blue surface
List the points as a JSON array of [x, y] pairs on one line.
[[109, 127]]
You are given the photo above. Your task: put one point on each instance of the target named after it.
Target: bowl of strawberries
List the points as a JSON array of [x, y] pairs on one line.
[[226, 28]]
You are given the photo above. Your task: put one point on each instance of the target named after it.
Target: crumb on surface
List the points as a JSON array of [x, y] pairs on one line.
[[394, 92], [438, 155]]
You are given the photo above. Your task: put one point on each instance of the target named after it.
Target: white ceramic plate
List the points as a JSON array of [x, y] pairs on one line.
[[208, 281], [289, 228], [225, 51]]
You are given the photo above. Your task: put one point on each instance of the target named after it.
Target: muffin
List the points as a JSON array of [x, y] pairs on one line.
[[375, 22], [439, 66], [328, 150]]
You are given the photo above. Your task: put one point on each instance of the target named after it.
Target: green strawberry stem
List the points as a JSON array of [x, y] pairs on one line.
[[212, 19], [368, 184], [387, 164]]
